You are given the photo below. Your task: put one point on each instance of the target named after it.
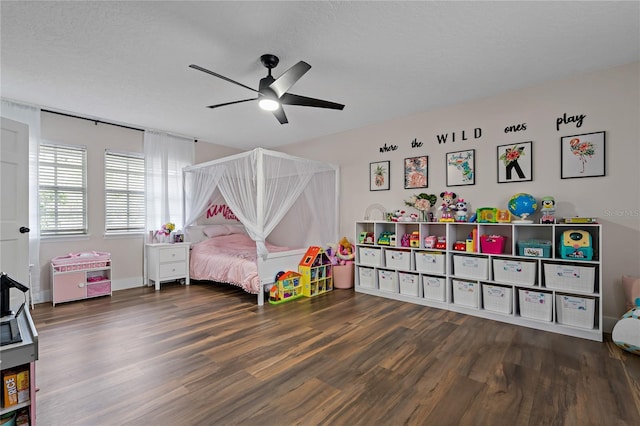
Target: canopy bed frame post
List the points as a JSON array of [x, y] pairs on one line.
[[260, 209]]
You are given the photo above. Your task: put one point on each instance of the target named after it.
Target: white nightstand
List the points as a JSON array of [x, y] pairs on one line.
[[166, 262]]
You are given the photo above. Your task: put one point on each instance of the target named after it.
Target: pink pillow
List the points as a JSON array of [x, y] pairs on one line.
[[221, 230], [631, 286]]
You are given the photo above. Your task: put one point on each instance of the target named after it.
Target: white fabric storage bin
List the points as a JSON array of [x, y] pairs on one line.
[[398, 259], [388, 280], [570, 277], [497, 298], [370, 256], [466, 293], [575, 310], [434, 288], [470, 267], [409, 284], [430, 262], [512, 271], [535, 304], [366, 277]]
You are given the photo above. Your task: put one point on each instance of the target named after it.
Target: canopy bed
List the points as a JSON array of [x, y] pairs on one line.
[[284, 204]]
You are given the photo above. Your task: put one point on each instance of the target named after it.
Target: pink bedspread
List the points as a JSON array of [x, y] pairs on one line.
[[228, 259]]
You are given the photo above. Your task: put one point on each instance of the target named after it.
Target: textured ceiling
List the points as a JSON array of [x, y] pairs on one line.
[[128, 61]]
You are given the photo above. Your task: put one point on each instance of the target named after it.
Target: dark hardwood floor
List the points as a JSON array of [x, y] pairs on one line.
[[208, 355]]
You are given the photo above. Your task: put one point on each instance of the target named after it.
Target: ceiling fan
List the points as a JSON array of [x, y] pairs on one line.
[[273, 92]]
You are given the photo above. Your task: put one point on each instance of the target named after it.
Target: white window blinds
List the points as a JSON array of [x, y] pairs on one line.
[[124, 192], [62, 182]]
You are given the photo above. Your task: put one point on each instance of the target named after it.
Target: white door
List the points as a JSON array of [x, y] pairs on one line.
[[14, 204]]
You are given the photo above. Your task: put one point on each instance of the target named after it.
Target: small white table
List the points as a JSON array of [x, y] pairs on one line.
[[166, 262]]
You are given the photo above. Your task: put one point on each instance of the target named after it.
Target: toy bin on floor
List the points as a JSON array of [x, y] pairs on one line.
[[432, 262], [343, 276], [575, 311], [492, 244], [434, 288], [570, 277], [409, 284], [466, 293], [497, 298], [534, 248], [536, 305], [514, 271], [388, 280], [470, 267]]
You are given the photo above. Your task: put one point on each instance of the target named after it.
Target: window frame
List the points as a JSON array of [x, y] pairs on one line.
[[127, 230], [58, 191]]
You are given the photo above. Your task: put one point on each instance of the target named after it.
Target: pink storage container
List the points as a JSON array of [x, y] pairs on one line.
[[492, 244], [100, 289]]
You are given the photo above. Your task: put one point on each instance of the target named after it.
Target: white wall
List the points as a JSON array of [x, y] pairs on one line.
[[126, 251], [611, 101]]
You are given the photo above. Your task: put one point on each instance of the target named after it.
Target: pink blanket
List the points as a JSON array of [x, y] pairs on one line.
[[228, 259]]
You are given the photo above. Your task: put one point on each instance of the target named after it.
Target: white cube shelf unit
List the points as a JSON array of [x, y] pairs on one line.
[[528, 284]]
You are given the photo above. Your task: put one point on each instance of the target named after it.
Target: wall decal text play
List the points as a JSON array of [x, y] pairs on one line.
[[570, 119]]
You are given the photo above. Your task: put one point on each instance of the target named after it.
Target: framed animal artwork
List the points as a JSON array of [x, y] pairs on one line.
[[582, 155]]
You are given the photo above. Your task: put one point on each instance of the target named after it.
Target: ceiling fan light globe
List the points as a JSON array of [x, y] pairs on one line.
[[269, 104]]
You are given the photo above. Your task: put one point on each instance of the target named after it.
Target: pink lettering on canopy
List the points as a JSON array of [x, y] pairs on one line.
[[223, 209]]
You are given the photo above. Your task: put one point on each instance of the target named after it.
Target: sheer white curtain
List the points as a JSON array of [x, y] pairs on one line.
[[165, 155], [30, 115], [261, 186]]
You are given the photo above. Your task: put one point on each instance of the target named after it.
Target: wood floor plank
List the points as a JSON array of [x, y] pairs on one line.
[[208, 355]]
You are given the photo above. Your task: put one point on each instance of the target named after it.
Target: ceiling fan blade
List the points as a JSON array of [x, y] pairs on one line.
[[280, 115], [199, 68], [291, 99], [289, 78], [231, 103]]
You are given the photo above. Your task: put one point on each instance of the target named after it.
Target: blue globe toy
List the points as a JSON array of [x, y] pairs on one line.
[[523, 205]]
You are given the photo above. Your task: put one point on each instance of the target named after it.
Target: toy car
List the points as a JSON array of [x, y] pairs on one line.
[[385, 238], [460, 245], [441, 244]]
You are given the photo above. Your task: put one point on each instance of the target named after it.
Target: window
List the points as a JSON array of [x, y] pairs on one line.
[[62, 181], [124, 192]]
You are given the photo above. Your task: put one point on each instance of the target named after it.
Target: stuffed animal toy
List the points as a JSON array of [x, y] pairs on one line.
[[626, 333], [447, 206], [461, 210], [345, 252]]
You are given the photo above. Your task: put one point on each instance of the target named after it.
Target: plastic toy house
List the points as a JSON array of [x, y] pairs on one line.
[[316, 272], [288, 286]]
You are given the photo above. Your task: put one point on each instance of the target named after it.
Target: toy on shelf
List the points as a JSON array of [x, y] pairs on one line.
[[576, 244], [448, 206], [414, 239], [492, 244], [548, 210], [366, 238], [487, 214], [441, 243], [523, 205], [385, 238], [580, 220], [430, 241], [286, 288], [461, 210], [405, 241], [503, 216], [460, 246]]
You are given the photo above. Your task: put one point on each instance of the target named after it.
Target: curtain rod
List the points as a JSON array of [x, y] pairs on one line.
[[91, 119]]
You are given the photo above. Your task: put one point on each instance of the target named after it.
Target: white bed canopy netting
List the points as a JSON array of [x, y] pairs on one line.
[[291, 200]]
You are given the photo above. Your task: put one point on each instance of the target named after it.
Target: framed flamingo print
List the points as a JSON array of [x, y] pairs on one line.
[[416, 172], [379, 176], [515, 162], [582, 155]]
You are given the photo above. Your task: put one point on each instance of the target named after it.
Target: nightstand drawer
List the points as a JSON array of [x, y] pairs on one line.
[[172, 270], [172, 254]]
